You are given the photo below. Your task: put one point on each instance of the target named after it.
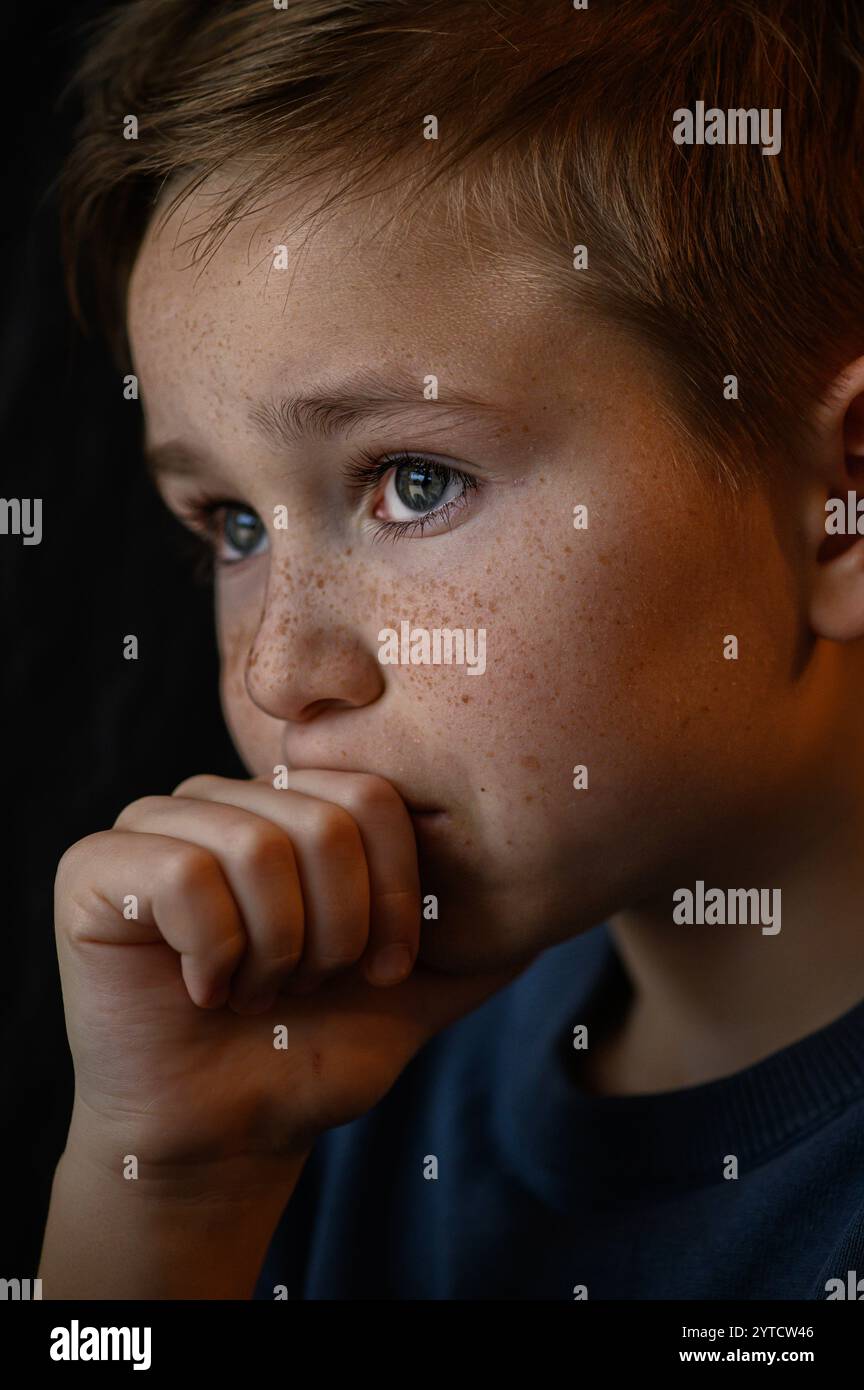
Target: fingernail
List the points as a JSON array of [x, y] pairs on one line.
[[390, 964]]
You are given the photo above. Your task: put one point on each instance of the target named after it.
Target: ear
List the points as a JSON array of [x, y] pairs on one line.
[[836, 512]]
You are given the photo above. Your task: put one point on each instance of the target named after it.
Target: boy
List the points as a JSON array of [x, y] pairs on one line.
[[527, 964]]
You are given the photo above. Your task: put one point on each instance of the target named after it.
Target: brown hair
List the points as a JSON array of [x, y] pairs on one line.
[[556, 130]]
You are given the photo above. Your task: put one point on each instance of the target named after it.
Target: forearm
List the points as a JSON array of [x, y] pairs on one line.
[[195, 1237]]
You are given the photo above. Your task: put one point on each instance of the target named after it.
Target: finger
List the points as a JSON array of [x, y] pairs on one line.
[[391, 854], [258, 861], [331, 864], [180, 896], [390, 849]]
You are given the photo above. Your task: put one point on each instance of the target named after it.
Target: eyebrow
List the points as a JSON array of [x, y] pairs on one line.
[[328, 410]]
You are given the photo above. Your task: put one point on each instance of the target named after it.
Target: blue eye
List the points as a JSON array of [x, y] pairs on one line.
[[413, 494], [231, 530], [421, 486], [242, 530]]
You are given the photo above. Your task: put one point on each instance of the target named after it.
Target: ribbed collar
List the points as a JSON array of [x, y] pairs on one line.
[[555, 1132]]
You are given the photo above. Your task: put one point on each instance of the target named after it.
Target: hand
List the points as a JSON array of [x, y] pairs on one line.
[[256, 908]]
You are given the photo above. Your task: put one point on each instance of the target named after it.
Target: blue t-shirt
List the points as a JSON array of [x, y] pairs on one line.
[[488, 1172]]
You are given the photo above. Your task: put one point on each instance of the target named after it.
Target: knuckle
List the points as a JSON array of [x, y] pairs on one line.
[[136, 811], [262, 850], [196, 785], [78, 855], [372, 793], [187, 870], [336, 831], [78, 897]]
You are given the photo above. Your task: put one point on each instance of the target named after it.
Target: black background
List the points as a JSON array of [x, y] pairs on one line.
[[84, 731]]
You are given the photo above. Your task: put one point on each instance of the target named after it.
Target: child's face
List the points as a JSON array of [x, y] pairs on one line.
[[604, 646]]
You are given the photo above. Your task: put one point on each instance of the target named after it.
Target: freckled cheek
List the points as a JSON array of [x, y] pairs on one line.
[[509, 733], [571, 658]]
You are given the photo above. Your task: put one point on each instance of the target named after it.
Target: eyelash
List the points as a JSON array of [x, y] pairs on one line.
[[198, 514], [366, 470], [362, 474]]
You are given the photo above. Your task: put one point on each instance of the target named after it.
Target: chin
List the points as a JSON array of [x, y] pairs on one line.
[[468, 940], [483, 928]]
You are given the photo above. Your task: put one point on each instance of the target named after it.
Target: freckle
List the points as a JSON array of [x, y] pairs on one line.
[[466, 699], [529, 761], [604, 559], [529, 798]]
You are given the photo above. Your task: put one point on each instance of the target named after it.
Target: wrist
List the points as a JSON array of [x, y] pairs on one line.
[[171, 1231], [121, 1157]]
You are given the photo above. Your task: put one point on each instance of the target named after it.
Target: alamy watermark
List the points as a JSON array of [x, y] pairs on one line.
[[849, 1288], [20, 1290], [722, 906], [437, 646], [737, 126], [845, 516], [77, 1343], [21, 516]]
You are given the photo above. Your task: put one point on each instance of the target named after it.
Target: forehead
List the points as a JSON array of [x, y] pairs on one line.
[[253, 310], [281, 307]]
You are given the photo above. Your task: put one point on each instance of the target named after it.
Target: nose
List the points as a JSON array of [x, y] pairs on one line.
[[303, 661]]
